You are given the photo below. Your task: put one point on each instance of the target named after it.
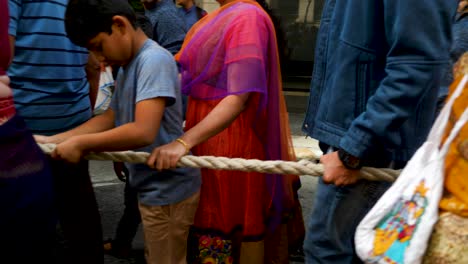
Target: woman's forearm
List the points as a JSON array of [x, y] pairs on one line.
[[217, 120]]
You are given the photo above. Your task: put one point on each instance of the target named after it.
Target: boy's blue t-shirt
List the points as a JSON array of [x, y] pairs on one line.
[[151, 74]]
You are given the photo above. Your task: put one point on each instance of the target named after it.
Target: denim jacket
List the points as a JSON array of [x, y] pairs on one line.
[[377, 71]]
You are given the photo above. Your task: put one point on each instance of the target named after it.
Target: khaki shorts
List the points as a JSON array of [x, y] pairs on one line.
[[166, 230]]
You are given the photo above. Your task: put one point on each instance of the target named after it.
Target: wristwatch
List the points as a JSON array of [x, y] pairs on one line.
[[349, 161]]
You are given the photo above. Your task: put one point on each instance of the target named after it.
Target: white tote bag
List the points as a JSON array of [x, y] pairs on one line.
[[106, 89], [398, 227]]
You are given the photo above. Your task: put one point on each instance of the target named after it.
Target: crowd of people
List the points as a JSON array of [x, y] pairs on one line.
[[379, 74]]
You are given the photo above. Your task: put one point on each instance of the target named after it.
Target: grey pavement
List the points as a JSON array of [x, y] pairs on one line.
[[109, 190]]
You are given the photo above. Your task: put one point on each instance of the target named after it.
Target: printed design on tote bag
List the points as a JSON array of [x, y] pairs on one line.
[[394, 233]]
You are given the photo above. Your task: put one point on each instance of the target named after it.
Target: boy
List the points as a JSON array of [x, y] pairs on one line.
[[145, 112]]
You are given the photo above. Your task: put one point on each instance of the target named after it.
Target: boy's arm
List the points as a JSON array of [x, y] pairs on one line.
[[96, 124], [142, 132]]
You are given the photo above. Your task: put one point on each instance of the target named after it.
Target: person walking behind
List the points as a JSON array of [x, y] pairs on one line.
[[190, 12], [52, 95], [372, 103], [168, 27], [145, 112], [230, 70]]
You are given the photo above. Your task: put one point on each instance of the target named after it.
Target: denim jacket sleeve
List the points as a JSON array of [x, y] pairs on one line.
[[418, 36]]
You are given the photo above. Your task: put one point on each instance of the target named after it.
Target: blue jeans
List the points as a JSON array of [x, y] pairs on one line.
[[335, 217]]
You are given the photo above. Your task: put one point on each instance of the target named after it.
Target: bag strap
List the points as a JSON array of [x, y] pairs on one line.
[[455, 130], [440, 124]]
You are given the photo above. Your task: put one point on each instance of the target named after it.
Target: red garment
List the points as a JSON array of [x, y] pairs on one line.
[[5, 53], [231, 199], [7, 108]]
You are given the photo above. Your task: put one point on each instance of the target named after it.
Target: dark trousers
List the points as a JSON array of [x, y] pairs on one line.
[[130, 220], [78, 213], [27, 213], [27, 218]]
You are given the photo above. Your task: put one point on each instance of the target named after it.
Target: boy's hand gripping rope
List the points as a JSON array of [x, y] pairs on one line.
[[301, 167]]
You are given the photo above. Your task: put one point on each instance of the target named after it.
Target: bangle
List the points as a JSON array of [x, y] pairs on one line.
[[187, 148]]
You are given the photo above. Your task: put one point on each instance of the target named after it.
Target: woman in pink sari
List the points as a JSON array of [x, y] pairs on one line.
[[230, 71]]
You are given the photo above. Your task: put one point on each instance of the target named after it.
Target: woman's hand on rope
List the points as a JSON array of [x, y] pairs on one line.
[[167, 156], [69, 150], [335, 172]]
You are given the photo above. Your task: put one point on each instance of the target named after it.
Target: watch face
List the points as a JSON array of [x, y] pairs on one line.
[[353, 162], [348, 160]]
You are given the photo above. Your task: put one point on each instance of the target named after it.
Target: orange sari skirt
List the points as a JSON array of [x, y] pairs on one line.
[[234, 206]]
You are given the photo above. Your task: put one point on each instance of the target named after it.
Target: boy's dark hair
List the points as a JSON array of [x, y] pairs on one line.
[[85, 19]]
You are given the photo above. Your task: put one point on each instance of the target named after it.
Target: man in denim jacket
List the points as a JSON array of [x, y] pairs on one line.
[[378, 67]]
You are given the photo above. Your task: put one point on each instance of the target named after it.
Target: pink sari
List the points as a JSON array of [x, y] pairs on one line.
[[233, 51]]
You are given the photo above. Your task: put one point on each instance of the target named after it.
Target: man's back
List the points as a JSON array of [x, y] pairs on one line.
[[376, 75], [47, 73], [378, 67]]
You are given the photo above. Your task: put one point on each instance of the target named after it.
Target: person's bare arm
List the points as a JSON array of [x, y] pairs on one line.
[[96, 124], [137, 134], [217, 120], [93, 73], [12, 47]]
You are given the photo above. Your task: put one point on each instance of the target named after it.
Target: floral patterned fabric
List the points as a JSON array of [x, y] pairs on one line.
[[215, 250]]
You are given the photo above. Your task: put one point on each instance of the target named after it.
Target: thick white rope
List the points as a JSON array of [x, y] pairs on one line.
[[302, 167]]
